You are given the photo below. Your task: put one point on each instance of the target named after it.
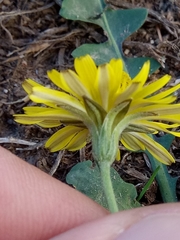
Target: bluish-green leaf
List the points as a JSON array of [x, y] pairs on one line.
[[167, 184], [117, 26], [135, 64], [87, 11], [86, 178]]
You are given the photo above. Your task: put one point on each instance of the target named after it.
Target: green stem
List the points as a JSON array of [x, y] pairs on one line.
[[107, 186], [110, 35], [116, 48], [167, 184]]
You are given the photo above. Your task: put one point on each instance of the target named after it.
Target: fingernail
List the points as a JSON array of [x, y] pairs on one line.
[[162, 226]]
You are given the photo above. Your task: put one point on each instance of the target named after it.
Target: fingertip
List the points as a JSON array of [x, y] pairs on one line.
[[37, 203], [157, 226], [136, 224]]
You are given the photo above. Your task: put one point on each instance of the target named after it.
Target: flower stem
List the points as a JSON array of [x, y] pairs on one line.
[[107, 186]]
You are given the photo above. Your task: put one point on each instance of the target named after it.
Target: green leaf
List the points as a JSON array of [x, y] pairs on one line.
[[148, 184], [167, 184], [86, 178], [135, 64], [117, 25]]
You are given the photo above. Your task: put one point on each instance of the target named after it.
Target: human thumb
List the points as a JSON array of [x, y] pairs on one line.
[[146, 223], [158, 226]]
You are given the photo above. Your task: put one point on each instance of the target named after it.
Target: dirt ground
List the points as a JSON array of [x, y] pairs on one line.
[[34, 38]]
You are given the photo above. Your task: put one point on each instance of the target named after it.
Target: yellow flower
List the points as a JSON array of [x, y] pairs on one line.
[[90, 95]]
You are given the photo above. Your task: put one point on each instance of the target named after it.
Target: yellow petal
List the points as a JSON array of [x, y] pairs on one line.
[[143, 74], [74, 82], [165, 109], [45, 95], [118, 81], [57, 78], [140, 128], [49, 123], [125, 82], [86, 70], [156, 150], [24, 119], [117, 66], [139, 103], [28, 84], [158, 126], [62, 138], [36, 109], [164, 94], [55, 114], [159, 109], [118, 155], [127, 94], [106, 85], [78, 141], [43, 120], [168, 118], [155, 124], [131, 143], [153, 87]]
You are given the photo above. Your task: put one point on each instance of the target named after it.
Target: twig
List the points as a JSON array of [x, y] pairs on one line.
[[25, 99], [56, 163], [167, 24], [154, 52], [146, 159], [28, 49], [17, 141], [159, 33], [82, 154], [4, 15], [7, 31], [124, 158], [35, 146], [32, 145]]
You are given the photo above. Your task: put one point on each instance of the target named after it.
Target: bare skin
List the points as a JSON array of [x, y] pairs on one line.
[[34, 205]]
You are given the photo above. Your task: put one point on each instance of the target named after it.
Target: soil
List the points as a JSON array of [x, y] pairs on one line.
[[34, 38]]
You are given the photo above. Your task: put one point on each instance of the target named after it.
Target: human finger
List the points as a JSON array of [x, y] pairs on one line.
[[153, 222], [37, 206]]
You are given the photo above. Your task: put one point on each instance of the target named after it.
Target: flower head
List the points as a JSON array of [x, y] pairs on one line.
[[105, 102]]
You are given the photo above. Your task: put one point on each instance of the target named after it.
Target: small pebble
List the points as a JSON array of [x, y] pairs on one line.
[[5, 91], [126, 52]]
